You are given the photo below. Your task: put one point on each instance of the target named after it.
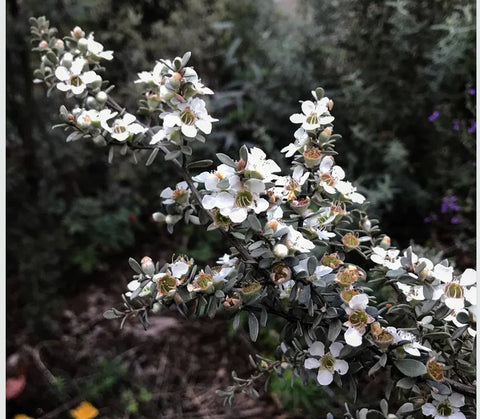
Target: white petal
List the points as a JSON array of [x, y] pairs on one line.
[[457, 399], [225, 200], [297, 118], [209, 202], [455, 303], [77, 90], [133, 285], [61, 73], [324, 377], [359, 301], [317, 349], [255, 185], [409, 349], [443, 273], [353, 337], [260, 205], [179, 269], [128, 118], [77, 66], [90, 77], [471, 295], [308, 107], [189, 130], [469, 277], [457, 415], [136, 128], [122, 136], [429, 409], [326, 120], [335, 349], [341, 366], [238, 215], [311, 363], [159, 136], [170, 120], [166, 193], [204, 126], [63, 87]]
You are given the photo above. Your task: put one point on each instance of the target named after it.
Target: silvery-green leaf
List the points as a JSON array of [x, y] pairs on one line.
[[411, 367], [226, 160], [334, 329], [253, 326], [199, 164], [152, 156], [135, 265]]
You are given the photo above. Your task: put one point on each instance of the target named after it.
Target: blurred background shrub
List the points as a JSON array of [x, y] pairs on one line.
[[401, 73]]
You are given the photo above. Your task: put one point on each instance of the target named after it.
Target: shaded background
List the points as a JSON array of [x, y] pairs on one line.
[[402, 76]]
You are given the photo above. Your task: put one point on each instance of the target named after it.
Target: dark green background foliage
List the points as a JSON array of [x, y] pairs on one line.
[[387, 65]]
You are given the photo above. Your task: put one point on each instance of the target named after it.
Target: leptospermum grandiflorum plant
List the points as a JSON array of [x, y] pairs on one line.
[[302, 248]]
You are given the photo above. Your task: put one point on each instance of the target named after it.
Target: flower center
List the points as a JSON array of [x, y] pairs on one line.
[[348, 294], [351, 241], [444, 408], [454, 290], [312, 119], [328, 179], [188, 117], [331, 261], [358, 318], [243, 199], [166, 284], [76, 81], [328, 362], [180, 195], [204, 281], [118, 129], [220, 220]]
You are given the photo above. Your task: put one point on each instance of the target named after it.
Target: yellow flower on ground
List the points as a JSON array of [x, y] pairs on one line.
[[85, 410], [22, 416]]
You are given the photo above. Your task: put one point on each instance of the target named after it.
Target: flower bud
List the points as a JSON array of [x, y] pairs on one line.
[[280, 273], [43, 44], [241, 165], [365, 224], [101, 97], [385, 243], [91, 102], [157, 307], [330, 104], [280, 250], [67, 60], [148, 266], [77, 32], [60, 45], [325, 134]]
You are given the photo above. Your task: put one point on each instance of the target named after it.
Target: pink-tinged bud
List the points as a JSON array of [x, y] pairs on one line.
[[77, 32], [59, 43], [233, 301], [385, 243], [241, 165], [43, 44], [148, 267], [330, 104], [71, 117]]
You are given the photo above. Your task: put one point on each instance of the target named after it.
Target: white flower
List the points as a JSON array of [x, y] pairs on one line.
[[453, 317], [162, 134], [328, 363], [358, 319], [413, 347], [329, 175], [73, 79], [291, 186], [227, 260], [240, 198], [93, 117], [96, 48], [316, 223], [295, 240], [412, 292], [191, 116], [181, 194], [211, 179], [301, 138], [124, 127], [320, 270], [258, 165], [458, 290], [443, 407], [388, 258], [314, 114], [154, 77]]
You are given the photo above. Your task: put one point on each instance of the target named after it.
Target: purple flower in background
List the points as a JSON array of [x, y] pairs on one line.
[[456, 126], [434, 116], [472, 92], [454, 220], [427, 220], [449, 203], [472, 128]]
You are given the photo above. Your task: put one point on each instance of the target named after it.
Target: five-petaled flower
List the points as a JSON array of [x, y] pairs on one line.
[[328, 363]]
